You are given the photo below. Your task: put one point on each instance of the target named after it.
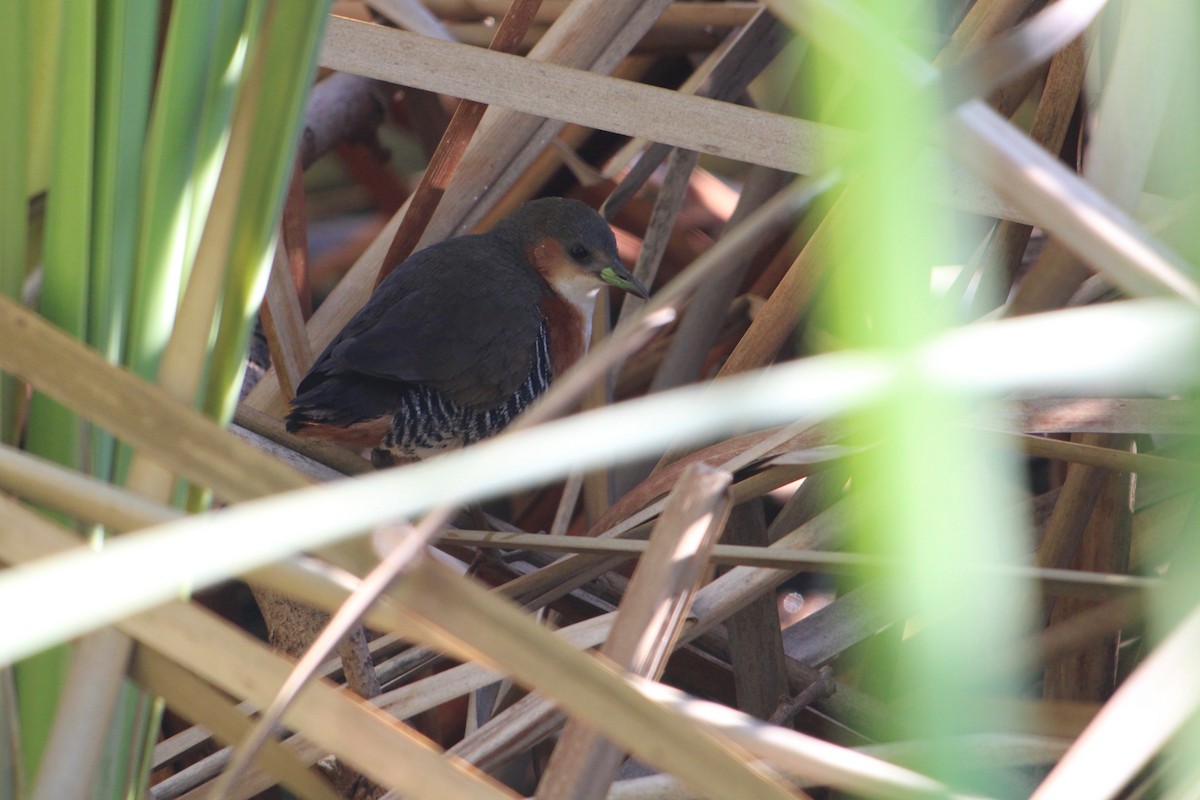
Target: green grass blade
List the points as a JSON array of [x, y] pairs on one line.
[[168, 191], [14, 201], [292, 35], [127, 31], [54, 432], [176, 172], [231, 40], [924, 495]]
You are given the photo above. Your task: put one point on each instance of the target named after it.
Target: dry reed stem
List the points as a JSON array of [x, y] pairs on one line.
[[1089, 674], [1098, 451], [795, 559], [283, 323], [667, 206], [647, 624], [755, 643], [852, 617], [723, 75], [511, 732], [1049, 128], [571, 95], [508, 141], [699, 326], [1017, 750]]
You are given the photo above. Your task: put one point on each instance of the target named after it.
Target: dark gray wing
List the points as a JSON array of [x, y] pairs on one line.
[[461, 317]]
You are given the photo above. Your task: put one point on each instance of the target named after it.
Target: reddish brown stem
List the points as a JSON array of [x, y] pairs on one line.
[[450, 149], [294, 232]]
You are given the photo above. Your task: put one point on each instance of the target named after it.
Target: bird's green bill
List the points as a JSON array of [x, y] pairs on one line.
[[618, 276]]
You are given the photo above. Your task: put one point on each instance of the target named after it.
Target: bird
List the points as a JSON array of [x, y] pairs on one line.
[[463, 335]]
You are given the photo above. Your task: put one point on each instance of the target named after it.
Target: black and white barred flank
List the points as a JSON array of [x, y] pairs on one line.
[[427, 422]]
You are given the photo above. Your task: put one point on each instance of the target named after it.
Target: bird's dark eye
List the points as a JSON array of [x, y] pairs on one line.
[[578, 252]]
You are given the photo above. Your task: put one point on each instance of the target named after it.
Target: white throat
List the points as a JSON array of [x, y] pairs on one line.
[[581, 292]]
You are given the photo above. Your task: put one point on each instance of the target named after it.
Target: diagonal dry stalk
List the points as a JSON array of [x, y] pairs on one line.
[[648, 622]]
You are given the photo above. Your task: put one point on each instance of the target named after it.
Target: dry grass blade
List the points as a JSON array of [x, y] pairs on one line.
[[1049, 128], [414, 698], [1095, 228], [201, 703], [1098, 452], [698, 329], [81, 496], [1087, 627], [97, 670], [648, 622], [508, 142], [798, 754], [1013, 749], [846, 621], [1009, 56], [548, 90], [746, 134], [1156, 701], [775, 321], [368, 740], [795, 559], [1090, 672], [1097, 415], [469, 621], [508, 734], [526, 722], [723, 75], [402, 556], [666, 212], [146, 416], [427, 693], [1064, 532]]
